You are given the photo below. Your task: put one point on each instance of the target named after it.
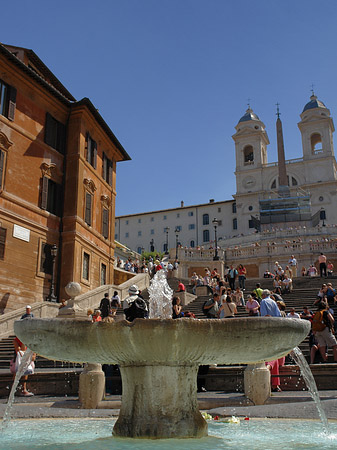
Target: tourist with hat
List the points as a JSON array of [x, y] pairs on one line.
[[28, 314], [133, 295]]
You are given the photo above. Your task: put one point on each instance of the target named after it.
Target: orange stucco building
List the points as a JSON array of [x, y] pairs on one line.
[[57, 184]]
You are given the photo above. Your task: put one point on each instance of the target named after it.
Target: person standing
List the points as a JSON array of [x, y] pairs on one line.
[[268, 306], [242, 276], [105, 306], [212, 306], [322, 265], [252, 306], [28, 314], [228, 309], [293, 266], [322, 328], [133, 295], [232, 275]]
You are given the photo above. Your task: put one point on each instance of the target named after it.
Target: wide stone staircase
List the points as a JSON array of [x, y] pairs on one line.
[[62, 377]]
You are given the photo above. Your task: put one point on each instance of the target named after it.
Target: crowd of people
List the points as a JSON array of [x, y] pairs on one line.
[[228, 295]]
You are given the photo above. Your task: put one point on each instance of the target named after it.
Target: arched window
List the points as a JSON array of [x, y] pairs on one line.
[[248, 154], [205, 235], [139, 250], [205, 219], [316, 143], [293, 181], [192, 244]]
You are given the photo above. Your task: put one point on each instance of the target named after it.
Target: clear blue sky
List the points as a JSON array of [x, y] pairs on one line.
[[172, 79]]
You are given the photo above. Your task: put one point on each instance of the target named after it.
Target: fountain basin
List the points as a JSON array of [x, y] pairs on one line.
[[159, 359]]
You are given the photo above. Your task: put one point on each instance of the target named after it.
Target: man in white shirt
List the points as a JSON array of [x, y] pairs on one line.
[[293, 266], [292, 314]]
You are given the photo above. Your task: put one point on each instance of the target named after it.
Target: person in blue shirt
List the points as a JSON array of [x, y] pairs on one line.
[[268, 306]]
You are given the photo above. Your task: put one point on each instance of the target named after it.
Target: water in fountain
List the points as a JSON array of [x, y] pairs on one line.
[[25, 361], [160, 297], [308, 377], [95, 434]]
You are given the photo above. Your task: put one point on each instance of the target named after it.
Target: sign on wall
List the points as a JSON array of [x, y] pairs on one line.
[[21, 233]]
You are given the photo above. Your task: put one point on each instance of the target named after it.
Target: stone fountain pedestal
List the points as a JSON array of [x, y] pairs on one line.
[[159, 359], [160, 401]]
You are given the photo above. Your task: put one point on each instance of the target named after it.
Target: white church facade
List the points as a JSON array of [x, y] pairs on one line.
[[312, 182]]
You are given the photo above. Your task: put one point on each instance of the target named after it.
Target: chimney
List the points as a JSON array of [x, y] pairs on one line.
[[211, 200], [182, 204]]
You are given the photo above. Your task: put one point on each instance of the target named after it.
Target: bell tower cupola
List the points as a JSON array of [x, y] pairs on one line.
[[251, 142], [316, 127]]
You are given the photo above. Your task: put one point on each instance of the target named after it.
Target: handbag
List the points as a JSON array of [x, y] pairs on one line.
[[29, 369]]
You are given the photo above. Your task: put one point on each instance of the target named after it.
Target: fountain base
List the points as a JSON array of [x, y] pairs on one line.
[[160, 402]]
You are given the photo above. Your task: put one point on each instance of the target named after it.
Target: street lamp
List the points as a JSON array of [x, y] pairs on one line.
[[167, 229], [52, 297], [152, 245], [177, 231], [215, 222]]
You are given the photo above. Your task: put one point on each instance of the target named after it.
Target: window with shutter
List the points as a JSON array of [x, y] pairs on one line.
[[51, 196], [44, 192], [55, 133], [103, 274], [104, 166], [110, 170], [107, 168], [3, 232], [7, 100], [105, 223], [91, 153], [11, 103], [2, 168], [88, 204], [86, 266]]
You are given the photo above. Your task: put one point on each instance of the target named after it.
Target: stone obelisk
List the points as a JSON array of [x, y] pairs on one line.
[[282, 171]]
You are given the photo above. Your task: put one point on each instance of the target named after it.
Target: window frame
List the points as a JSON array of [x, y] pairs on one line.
[[205, 233], [105, 222], [55, 134], [91, 151], [3, 238], [85, 253], [7, 100]]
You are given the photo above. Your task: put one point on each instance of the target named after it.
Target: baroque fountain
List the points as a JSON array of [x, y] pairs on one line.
[[159, 358]]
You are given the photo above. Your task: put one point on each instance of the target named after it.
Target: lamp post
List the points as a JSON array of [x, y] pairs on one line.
[[52, 297], [177, 230], [152, 245], [167, 229], [215, 222]]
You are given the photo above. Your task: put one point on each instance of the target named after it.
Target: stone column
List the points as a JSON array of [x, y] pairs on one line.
[[91, 386], [257, 383], [160, 402]]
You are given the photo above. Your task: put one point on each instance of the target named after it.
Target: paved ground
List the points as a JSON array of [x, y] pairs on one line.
[[283, 404]]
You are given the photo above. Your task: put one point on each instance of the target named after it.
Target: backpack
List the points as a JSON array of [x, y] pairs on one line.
[[318, 321], [136, 310], [205, 311]]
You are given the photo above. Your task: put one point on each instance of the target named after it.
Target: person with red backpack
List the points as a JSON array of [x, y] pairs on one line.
[[322, 328]]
